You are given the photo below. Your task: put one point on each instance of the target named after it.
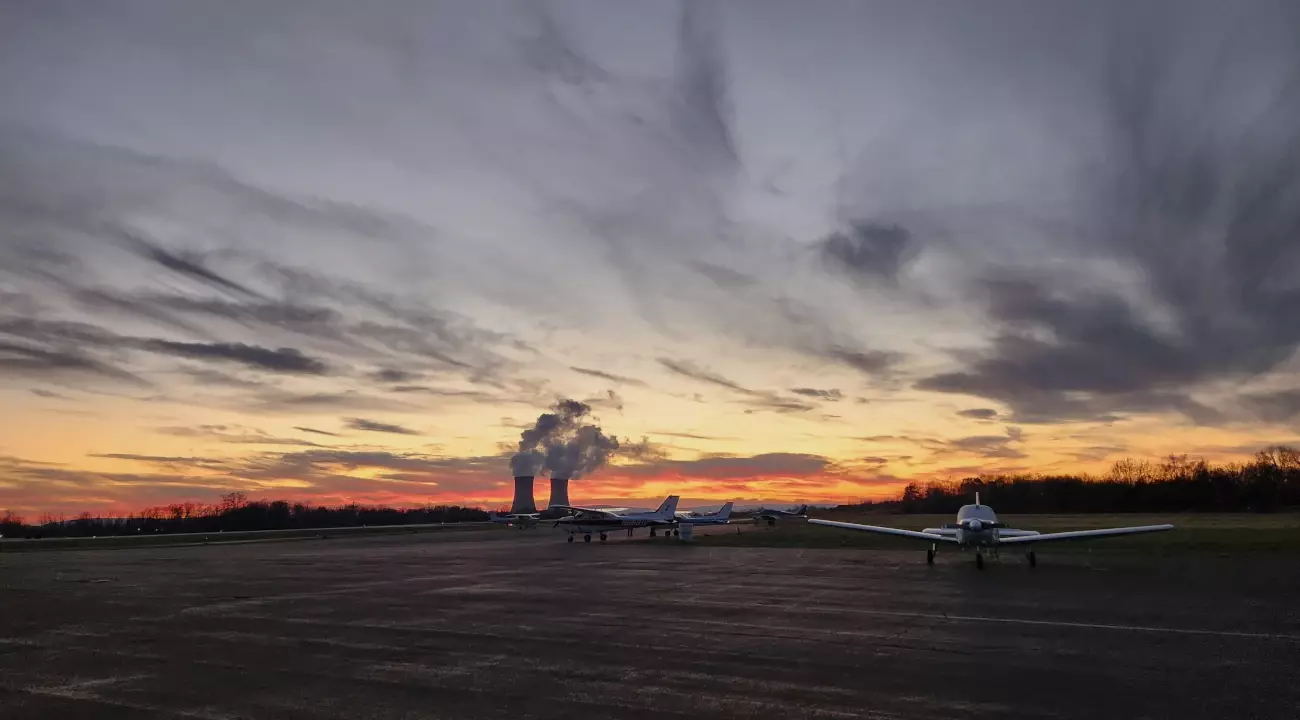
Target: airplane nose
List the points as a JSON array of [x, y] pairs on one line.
[[976, 525]]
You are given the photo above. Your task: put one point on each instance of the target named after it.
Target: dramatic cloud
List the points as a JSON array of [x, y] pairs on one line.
[[285, 360], [393, 375], [870, 249], [60, 364], [1279, 407], [379, 427], [1082, 214], [979, 413], [191, 267], [1196, 200], [831, 394]]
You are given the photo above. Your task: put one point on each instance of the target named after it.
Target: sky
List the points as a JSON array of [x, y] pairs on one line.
[[311, 250]]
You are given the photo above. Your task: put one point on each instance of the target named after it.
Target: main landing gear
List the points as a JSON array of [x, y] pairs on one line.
[[586, 538], [570, 537], [603, 538], [929, 555], [653, 533]]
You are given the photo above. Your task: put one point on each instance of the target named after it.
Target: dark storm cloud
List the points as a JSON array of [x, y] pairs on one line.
[[979, 413], [608, 376], [282, 360], [1199, 195], [870, 249], [1275, 407], [379, 427]]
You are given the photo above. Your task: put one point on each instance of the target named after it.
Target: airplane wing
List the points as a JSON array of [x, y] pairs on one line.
[[1083, 534], [932, 537]]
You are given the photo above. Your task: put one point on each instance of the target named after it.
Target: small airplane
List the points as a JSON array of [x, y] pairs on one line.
[[585, 521], [771, 516], [519, 520], [721, 517], [977, 527]]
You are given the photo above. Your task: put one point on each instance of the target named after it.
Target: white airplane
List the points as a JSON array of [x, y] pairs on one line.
[[721, 517], [585, 521], [771, 516], [977, 527], [519, 520]]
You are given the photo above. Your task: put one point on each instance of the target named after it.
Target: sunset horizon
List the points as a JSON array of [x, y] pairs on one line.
[[352, 259]]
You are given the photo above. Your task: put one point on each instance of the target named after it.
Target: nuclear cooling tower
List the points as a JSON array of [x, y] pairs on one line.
[[559, 492], [523, 502]]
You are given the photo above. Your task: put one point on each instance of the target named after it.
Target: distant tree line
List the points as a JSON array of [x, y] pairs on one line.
[[1269, 482], [233, 513]]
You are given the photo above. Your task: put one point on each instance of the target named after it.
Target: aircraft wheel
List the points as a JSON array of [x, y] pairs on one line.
[[586, 538], [603, 538], [652, 532], [979, 560], [1033, 559], [570, 537], [929, 557], [677, 533]]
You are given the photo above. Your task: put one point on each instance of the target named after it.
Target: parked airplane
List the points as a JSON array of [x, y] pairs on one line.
[[721, 517], [520, 520], [586, 521], [977, 527], [771, 516]]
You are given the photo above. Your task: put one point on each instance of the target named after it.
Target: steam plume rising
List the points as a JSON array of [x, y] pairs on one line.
[[559, 443]]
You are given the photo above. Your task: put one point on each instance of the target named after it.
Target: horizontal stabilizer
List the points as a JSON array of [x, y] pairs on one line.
[[1083, 534], [932, 537]]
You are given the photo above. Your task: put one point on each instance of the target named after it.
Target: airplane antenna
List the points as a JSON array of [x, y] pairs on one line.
[[977, 497]]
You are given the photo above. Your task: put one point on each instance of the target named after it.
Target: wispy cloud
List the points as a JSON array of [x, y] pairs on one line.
[[379, 427], [285, 360]]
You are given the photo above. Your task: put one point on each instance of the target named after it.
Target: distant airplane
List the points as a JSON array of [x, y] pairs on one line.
[[721, 517], [586, 521], [771, 516], [977, 526], [520, 520]]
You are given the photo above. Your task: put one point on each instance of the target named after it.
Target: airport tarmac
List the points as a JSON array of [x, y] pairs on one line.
[[527, 626]]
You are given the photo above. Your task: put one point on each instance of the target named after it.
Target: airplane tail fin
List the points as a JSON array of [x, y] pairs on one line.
[[803, 510], [725, 511], [668, 508]]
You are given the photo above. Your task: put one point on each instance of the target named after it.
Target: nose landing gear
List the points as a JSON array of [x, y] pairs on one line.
[[929, 555], [1033, 559], [979, 559]]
